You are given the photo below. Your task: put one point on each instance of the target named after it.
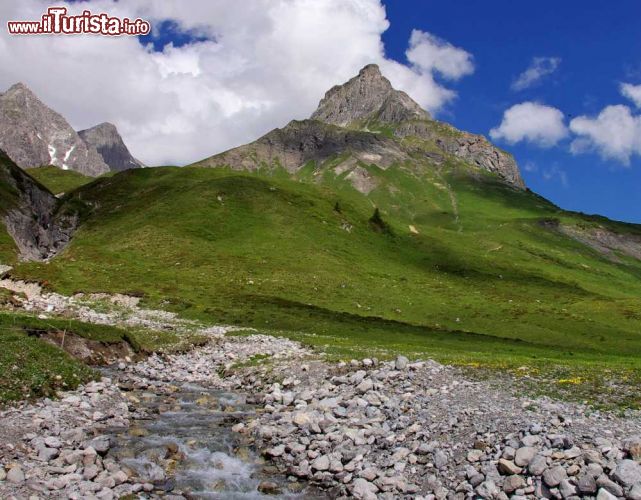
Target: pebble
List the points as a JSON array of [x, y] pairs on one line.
[[363, 489], [605, 495], [401, 363], [524, 455], [15, 475], [554, 475], [627, 473]]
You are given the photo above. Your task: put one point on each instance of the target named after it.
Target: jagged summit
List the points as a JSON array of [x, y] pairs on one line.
[[367, 96], [109, 144], [33, 135], [367, 122], [18, 87]]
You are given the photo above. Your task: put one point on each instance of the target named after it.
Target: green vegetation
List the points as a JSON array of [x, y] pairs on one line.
[[377, 222], [30, 367], [58, 180], [8, 199], [468, 271], [8, 250], [255, 360]]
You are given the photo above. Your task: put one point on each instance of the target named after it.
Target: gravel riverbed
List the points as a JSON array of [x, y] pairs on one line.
[[297, 426], [366, 429]]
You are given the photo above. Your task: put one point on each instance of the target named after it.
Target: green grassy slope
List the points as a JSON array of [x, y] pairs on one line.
[[58, 180], [479, 282], [8, 199]]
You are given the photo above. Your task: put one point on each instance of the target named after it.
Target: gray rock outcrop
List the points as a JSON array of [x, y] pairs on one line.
[[32, 215], [369, 95], [33, 135], [302, 141], [105, 139], [470, 148], [347, 125]]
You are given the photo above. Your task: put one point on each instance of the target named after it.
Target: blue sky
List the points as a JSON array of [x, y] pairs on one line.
[[599, 46], [213, 76]]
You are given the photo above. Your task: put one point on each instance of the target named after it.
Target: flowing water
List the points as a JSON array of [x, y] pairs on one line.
[[186, 446]]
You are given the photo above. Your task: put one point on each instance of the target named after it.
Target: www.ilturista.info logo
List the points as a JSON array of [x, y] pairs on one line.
[[56, 22]]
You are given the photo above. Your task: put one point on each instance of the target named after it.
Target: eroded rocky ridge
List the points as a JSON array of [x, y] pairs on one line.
[[105, 139], [367, 121], [308, 140], [33, 135], [32, 215], [471, 148]]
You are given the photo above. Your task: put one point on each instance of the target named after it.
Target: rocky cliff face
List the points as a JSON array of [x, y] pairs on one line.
[[32, 214], [302, 141], [33, 135], [105, 139], [473, 149], [367, 96], [346, 123]]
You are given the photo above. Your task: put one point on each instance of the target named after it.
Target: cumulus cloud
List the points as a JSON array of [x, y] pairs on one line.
[[632, 92], [615, 133], [430, 53], [250, 69], [531, 122], [539, 68]]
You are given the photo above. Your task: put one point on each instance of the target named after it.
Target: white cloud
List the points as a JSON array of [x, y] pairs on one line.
[[531, 122], [539, 68], [615, 133], [632, 92], [262, 66], [430, 53]]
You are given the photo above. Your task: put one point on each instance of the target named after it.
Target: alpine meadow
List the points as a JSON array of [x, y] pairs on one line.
[[366, 303]]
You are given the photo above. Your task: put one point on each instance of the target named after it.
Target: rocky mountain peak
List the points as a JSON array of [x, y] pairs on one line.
[[109, 144], [372, 71], [367, 96], [19, 87], [34, 135]]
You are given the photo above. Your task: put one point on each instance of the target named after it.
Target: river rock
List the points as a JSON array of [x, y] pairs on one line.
[[100, 444], [364, 386], [633, 446], [537, 465], [513, 483], [587, 484], [401, 363], [508, 467], [635, 492], [15, 475], [269, 488], [605, 495], [53, 442], [440, 459], [554, 475], [567, 489], [321, 463], [276, 451], [363, 489], [627, 473], [524, 455]]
